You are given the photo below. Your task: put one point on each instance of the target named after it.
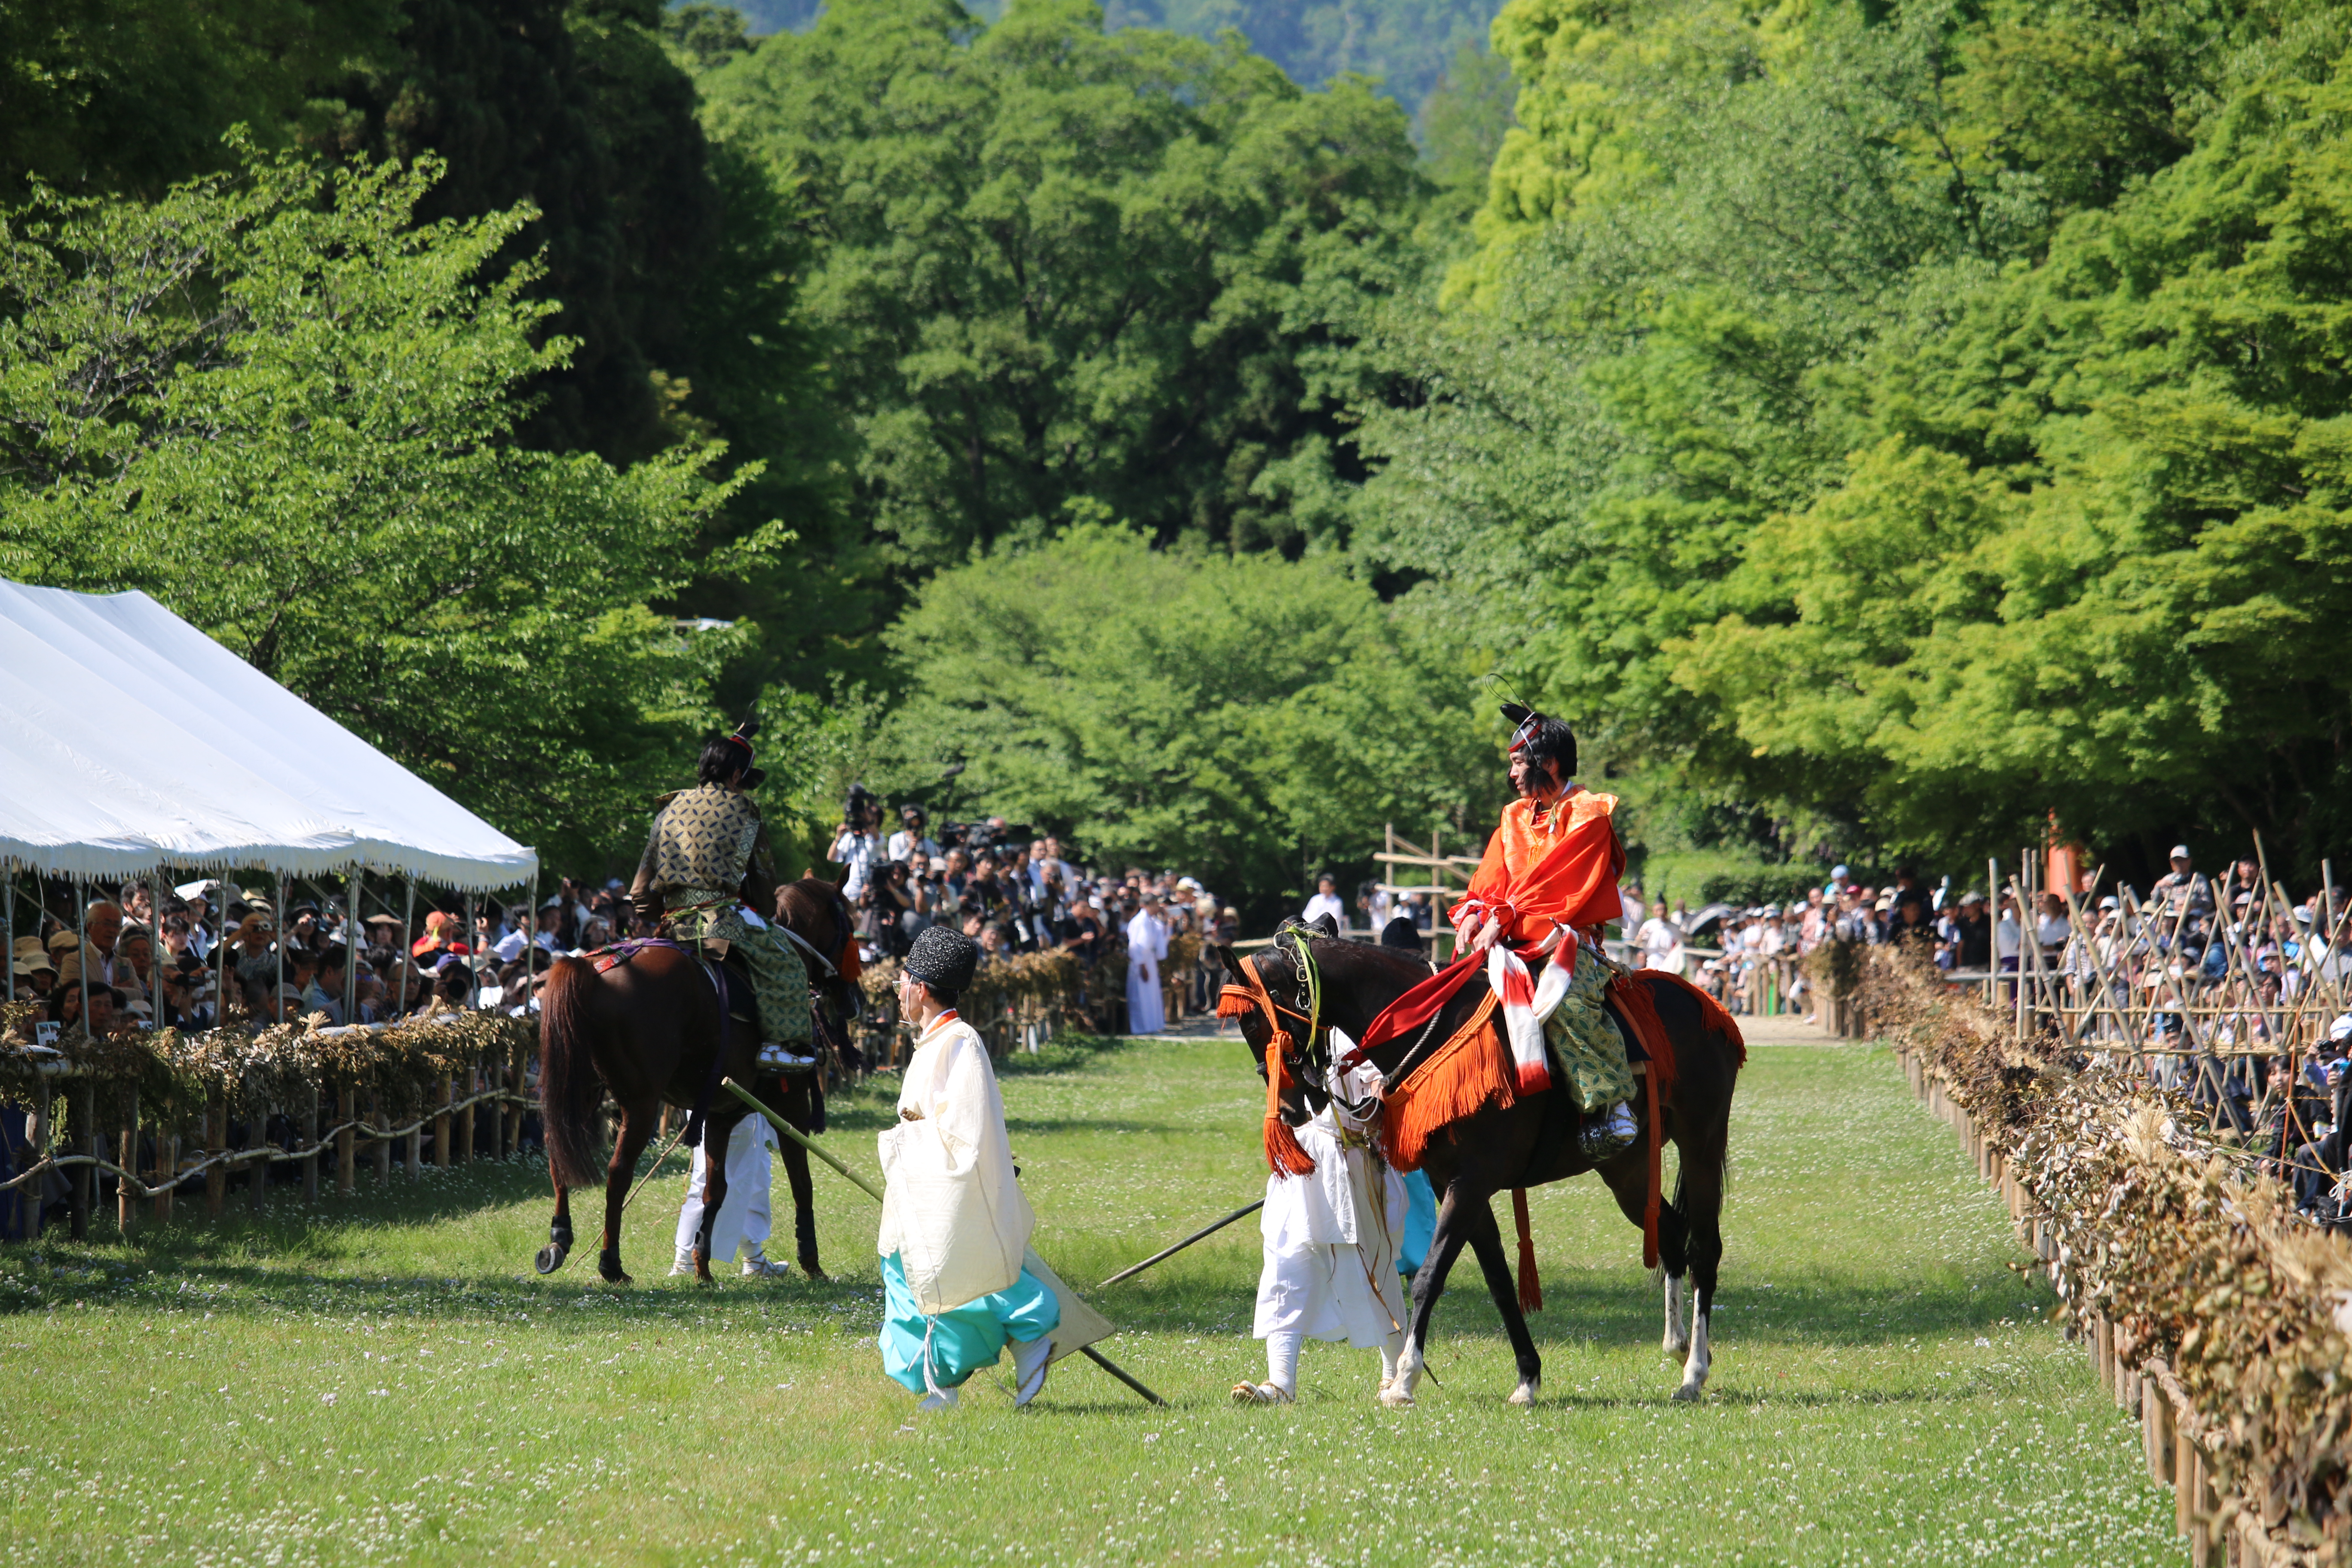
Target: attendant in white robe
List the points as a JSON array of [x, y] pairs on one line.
[[1330, 1270], [1147, 949], [743, 1219], [955, 1226]]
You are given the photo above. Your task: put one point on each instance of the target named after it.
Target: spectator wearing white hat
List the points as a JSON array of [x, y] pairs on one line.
[[2184, 887]]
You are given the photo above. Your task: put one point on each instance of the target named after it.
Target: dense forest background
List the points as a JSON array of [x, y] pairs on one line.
[[1886, 431]]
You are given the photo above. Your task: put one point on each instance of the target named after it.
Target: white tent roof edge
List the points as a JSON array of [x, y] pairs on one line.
[[130, 740]]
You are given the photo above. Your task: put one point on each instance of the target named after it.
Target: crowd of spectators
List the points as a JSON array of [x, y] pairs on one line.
[[313, 960], [1011, 892]]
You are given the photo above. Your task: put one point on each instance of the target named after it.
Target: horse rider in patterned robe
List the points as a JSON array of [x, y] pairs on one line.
[[706, 867], [1548, 881]]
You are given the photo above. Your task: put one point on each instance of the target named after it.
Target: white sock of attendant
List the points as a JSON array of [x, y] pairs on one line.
[[1282, 1360]]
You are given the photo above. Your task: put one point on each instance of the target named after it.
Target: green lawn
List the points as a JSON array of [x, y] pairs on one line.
[[384, 1379]]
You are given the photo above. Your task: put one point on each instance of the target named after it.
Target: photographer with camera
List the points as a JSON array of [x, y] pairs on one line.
[[855, 843], [911, 843]]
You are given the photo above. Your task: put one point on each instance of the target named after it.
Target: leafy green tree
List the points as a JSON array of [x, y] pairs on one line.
[[1243, 716], [130, 95], [1057, 264], [285, 410], [1402, 44], [2093, 558]]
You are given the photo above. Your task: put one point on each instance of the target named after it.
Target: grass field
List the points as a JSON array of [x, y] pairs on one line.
[[386, 1379]]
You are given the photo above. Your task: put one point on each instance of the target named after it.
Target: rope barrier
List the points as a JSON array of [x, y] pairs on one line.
[[241, 1158]]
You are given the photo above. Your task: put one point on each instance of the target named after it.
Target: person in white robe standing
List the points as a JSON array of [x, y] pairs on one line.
[[743, 1219], [1147, 949], [1330, 1270], [955, 1226]]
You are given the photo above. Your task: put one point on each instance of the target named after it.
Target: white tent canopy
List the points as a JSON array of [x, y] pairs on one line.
[[129, 740]]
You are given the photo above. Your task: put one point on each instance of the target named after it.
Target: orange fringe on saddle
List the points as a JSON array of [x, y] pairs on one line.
[[1469, 1072]]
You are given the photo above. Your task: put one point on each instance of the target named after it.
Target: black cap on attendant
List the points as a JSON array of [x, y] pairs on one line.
[[944, 960]]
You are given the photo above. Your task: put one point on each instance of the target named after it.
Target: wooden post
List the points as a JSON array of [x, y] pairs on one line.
[[466, 1119], [383, 1141], [167, 1164], [38, 1138], [85, 1178], [216, 1143], [2156, 1431], [441, 1126], [256, 1181], [415, 1152], [347, 1145], [309, 1133], [128, 1160]]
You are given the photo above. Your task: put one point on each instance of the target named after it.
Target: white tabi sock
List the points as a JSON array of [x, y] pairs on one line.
[[1282, 1360]]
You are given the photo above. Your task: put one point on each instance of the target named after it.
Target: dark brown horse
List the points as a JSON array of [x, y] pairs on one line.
[[648, 1032], [1526, 1144]]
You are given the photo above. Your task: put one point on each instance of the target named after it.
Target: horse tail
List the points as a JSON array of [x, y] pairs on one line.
[[569, 1089]]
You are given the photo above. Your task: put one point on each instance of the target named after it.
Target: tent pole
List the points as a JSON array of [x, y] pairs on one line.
[[12, 934], [277, 919], [473, 951], [407, 960], [352, 951], [220, 980], [154, 950], [530, 944], [81, 956]]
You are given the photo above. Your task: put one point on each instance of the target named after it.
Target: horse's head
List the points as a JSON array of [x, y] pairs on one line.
[[1260, 992], [815, 912]]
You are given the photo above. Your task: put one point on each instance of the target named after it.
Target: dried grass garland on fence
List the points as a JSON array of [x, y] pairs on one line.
[[402, 1067], [2153, 1228]]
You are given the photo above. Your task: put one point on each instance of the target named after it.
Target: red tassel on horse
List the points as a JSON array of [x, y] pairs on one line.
[[1283, 1156]]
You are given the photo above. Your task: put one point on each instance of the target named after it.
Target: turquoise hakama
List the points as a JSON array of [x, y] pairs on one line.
[[962, 1339]]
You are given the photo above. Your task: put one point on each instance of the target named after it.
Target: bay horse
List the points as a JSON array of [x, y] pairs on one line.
[[648, 1032], [1530, 1143]]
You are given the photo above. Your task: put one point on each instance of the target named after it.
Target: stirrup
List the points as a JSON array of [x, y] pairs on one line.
[[1605, 1136], [1261, 1394], [775, 1057]]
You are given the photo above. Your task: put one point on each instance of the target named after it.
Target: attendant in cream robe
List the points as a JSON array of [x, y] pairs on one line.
[[1147, 949], [955, 1224]]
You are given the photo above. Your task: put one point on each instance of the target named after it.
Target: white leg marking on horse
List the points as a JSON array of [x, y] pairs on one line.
[[1695, 1370], [1677, 1339], [1408, 1377], [1523, 1396]]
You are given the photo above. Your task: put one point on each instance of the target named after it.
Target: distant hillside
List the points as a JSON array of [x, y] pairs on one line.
[[1405, 43]]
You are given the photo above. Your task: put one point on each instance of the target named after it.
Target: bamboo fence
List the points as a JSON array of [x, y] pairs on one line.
[[2214, 1314], [154, 1112]]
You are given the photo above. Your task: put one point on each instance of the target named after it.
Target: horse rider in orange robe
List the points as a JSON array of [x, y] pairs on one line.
[[1547, 883]]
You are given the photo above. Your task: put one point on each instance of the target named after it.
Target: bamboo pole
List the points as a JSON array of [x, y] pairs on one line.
[[347, 1176]]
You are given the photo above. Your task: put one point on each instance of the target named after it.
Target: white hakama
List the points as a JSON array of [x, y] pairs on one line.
[[743, 1220], [1330, 1241]]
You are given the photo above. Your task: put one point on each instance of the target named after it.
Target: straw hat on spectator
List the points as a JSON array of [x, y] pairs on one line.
[[30, 951]]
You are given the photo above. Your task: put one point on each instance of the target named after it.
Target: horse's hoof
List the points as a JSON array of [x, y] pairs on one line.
[[813, 1272], [551, 1258], [1689, 1393], [609, 1266], [1396, 1398], [1523, 1396]]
